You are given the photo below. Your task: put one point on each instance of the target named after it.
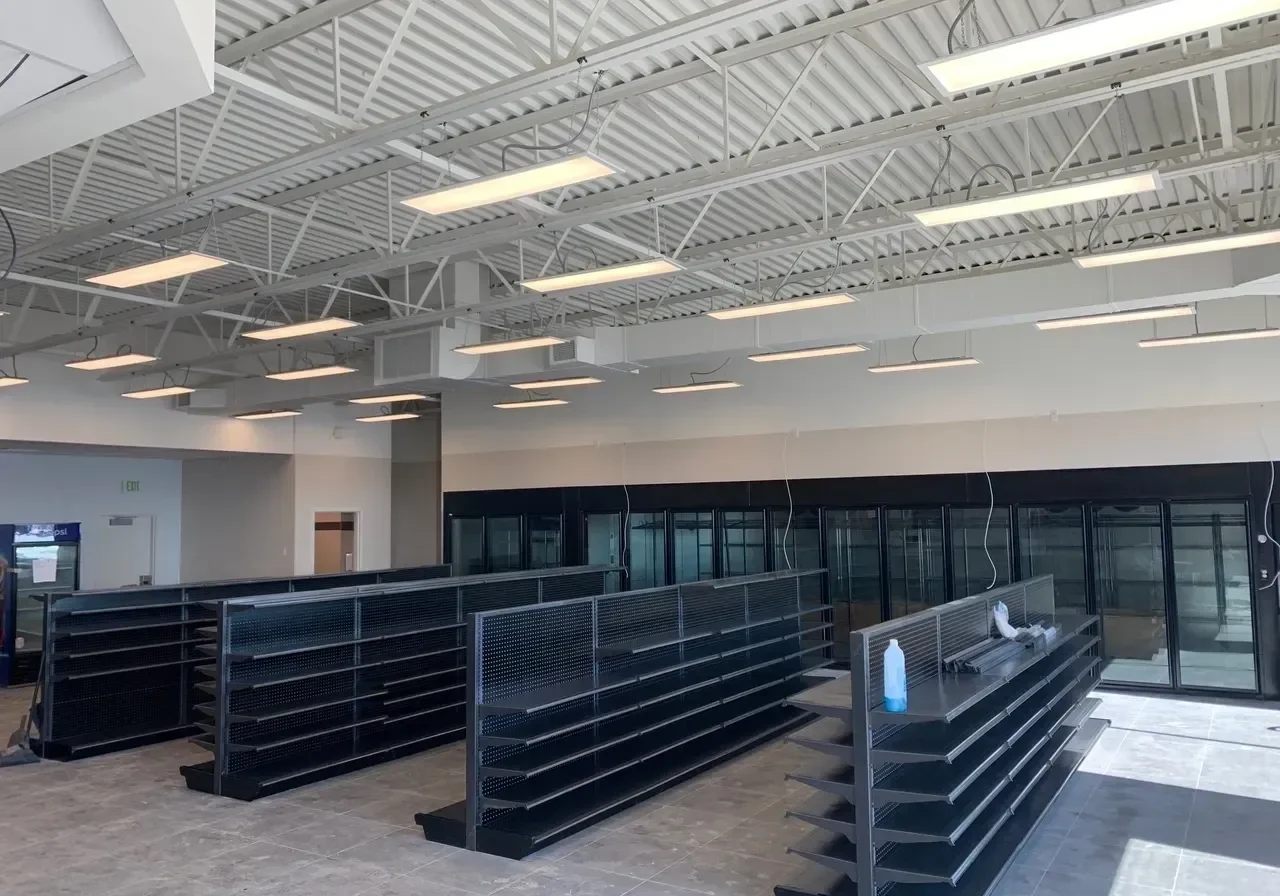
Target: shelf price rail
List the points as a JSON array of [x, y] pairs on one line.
[[937, 800], [578, 709], [117, 662], [301, 687]]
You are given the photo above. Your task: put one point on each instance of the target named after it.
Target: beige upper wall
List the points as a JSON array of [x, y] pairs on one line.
[[1069, 398], [237, 518], [358, 485]]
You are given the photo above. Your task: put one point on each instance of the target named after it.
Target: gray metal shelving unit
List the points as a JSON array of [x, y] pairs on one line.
[[301, 687], [579, 709], [936, 800], [117, 662]]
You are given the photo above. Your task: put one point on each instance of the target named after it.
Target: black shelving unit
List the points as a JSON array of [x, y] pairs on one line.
[[298, 688], [579, 709], [936, 800], [118, 662]]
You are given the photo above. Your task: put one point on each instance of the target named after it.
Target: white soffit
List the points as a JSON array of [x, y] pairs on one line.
[[92, 66]]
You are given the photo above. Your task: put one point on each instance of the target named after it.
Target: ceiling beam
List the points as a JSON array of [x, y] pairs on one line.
[[286, 30], [642, 45]]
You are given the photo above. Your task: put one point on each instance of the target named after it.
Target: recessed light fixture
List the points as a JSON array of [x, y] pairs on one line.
[[1038, 200], [161, 392], [710, 386], [533, 403], [306, 328], [804, 304], [618, 273], [507, 185], [924, 365], [1117, 317], [388, 418], [558, 384], [508, 345], [13, 381], [389, 399], [1201, 338], [106, 362], [1177, 250], [155, 271], [824, 351], [1087, 39], [311, 373], [268, 415]]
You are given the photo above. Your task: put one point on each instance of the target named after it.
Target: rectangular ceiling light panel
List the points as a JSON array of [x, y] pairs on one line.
[[155, 271], [508, 345], [824, 351], [311, 373], [782, 307], [388, 418], [558, 384], [508, 185], [712, 386], [1116, 317], [267, 415], [1178, 250], [306, 328], [161, 392], [1038, 200], [1202, 338], [924, 365], [389, 399], [13, 381], [1083, 40], [536, 403], [618, 273], [109, 361]]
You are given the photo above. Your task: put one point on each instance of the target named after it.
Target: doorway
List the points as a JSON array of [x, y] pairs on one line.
[[119, 551], [335, 541]]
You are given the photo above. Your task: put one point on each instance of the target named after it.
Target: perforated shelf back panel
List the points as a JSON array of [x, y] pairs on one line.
[[582, 706], [320, 684]]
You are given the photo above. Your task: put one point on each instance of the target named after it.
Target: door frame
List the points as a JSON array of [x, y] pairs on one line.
[[359, 551]]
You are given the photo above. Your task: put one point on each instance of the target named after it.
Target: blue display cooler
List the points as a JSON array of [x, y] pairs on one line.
[[42, 558]]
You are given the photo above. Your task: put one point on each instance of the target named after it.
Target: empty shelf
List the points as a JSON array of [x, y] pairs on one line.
[[77, 676], [307, 645], [831, 698], [945, 783], [829, 736], [78, 654], [832, 814], [281, 710], [107, 627], [271, 742], [529, 830], [831, 851]]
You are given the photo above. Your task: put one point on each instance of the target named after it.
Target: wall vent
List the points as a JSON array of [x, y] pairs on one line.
[[578, 350]]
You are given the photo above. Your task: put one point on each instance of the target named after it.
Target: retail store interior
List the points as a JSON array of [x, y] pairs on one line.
[[495, 447]]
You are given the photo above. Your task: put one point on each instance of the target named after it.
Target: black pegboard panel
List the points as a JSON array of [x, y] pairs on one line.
[[120, 664], [584, 706], [306, 686]]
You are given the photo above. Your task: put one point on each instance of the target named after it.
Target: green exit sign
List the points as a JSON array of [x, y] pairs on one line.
[[131, 485]]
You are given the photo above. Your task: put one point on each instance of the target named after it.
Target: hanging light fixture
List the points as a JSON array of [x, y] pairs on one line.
[[154, 271]]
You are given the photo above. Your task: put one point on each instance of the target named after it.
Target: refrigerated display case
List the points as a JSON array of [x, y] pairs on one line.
[[45, 559]]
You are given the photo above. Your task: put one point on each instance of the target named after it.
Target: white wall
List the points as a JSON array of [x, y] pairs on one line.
[[1114, 405], [47, 488], [355, 484], [237, 518], [67, 406]]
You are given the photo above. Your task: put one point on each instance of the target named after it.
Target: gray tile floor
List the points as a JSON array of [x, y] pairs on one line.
[[1180, 797]]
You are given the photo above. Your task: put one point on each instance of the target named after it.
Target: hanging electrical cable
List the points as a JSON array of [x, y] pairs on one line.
[[547, 147], [951, 32], [13, 244], [791, 504], [694, 373], [1266, 505], [991, 509]]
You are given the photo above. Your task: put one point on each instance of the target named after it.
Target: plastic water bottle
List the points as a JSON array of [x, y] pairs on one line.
[[895, 678]]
